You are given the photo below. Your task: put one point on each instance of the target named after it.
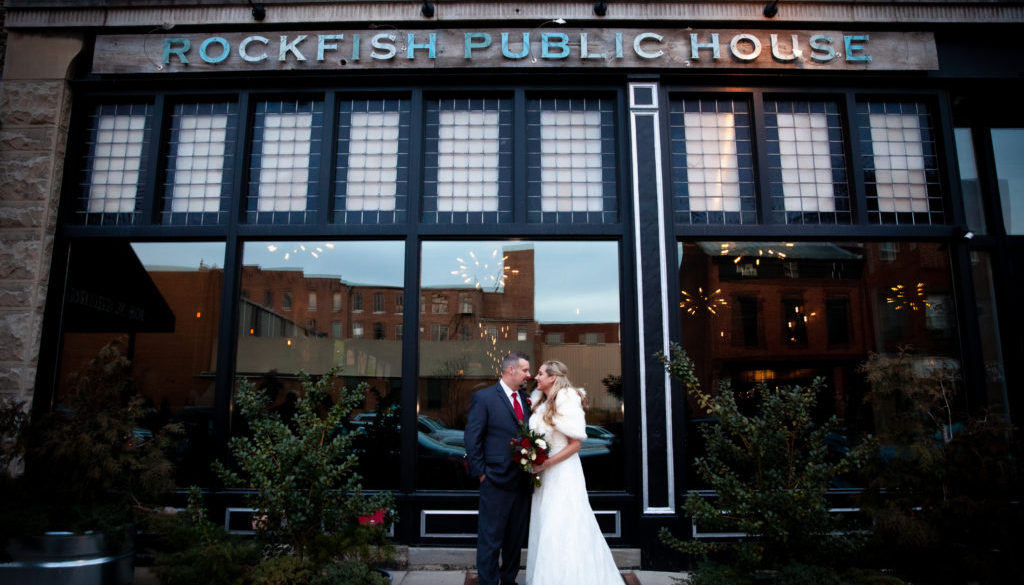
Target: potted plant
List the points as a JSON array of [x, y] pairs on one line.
[[309, 507], [89, 466]]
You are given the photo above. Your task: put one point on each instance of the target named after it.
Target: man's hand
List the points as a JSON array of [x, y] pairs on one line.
[[483, 476]]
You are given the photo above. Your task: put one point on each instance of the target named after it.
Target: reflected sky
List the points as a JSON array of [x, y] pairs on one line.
[[575, 282], [1007, 144], [179, 255]]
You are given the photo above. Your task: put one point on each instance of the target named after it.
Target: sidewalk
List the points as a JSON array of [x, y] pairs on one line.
[[462, 577]]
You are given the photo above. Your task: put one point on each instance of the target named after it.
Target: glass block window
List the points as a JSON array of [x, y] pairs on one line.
[[372, 170], [807, 180], [199, 164], [712, 162], [284, 175], [115, 163], [901, 176], [468, 169], [571, 166]]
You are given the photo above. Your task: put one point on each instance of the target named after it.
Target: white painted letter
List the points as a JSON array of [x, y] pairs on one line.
[[640, 50], [383, 41], [734, 47], [292, 47], [244, 53]]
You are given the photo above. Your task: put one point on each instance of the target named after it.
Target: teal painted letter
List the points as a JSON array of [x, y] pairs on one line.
[[554, 40], [509, 54], [851, 48], [821, 49], [695, 47], [322, 45], [477, 40], [210, 41], [179, 51], [431, 46]]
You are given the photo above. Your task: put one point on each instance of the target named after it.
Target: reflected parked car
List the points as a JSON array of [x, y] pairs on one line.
[[424, 424]]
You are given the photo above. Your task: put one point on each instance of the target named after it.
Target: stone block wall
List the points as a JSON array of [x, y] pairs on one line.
[[35, 105]]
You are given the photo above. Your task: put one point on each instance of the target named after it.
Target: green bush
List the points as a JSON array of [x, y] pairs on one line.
[[283, 570], [348, 573], [303, 474], [191, 550], [770, 471]]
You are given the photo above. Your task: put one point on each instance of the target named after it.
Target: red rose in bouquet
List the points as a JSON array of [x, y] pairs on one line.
[[529, 449]]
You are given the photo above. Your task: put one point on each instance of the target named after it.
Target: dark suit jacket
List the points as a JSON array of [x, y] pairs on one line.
[[490, 426]]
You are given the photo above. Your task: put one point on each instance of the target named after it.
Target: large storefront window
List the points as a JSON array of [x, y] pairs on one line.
[[159, 305], [552, 300], [786, 313], [308, 306]]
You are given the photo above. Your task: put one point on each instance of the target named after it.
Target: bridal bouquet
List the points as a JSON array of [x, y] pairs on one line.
[[529, 449]]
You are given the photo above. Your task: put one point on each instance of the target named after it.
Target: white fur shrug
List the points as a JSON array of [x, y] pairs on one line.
[[569, 419]]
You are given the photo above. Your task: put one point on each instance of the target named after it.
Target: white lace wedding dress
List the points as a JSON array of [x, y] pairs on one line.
[[566, 546]]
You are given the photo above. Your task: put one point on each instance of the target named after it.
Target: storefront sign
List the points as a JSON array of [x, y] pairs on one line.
[[542, 47]]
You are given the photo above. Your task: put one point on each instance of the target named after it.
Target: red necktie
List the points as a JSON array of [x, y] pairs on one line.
[[518, 408]]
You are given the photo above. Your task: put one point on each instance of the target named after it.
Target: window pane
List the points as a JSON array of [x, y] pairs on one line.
[[571, 161], [199, 167], [712, 162], [284, 183], [969, 185], [901, 175], [787, 312], [373, 161], [807, 167], [468, 171], [988, 320], [118, 137], [517, 304], [159, 304], [276, 343], [1007, 144]]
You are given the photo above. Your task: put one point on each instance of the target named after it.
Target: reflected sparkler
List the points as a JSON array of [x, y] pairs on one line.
[[692, 304], [901, 298], [487, 274], [312, 249]]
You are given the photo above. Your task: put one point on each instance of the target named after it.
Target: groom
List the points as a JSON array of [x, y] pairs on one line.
[[495, 415]]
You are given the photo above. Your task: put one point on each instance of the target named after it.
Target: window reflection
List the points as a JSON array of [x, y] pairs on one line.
[[787, 312], [551, 300], [159, 304], [293, 332], [1006, 145], [969, 185]]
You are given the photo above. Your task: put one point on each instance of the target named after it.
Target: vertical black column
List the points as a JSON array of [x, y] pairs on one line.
[[649, 224]]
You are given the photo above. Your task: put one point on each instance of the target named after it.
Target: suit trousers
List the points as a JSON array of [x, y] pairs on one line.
[[504, 522]]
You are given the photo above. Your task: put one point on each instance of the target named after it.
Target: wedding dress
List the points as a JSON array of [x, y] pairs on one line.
[[566, 546]]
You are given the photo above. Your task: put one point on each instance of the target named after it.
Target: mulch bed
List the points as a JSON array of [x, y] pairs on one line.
[[628, 578]]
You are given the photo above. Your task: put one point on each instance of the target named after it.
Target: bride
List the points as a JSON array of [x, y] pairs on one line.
[[565, 545]]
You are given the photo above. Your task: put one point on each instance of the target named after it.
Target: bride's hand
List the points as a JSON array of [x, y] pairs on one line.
[[539, 468]]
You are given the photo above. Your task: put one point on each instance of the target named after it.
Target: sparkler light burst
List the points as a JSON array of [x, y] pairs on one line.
[[700, 302], [486, 274]]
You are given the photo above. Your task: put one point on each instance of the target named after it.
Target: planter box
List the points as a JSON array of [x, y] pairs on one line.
[[60, 558]]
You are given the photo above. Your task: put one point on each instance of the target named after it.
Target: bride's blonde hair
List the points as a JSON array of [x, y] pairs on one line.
[[561, 374]]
